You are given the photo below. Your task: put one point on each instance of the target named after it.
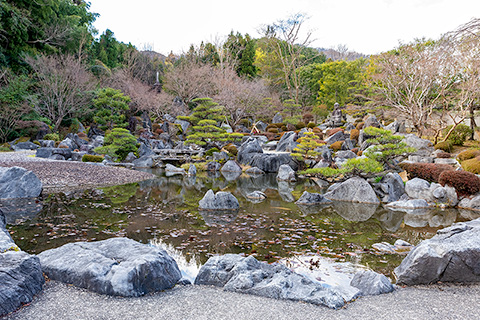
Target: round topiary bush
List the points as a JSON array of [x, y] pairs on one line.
[[465, 183], [446, 146], [468, 154], [336, 145], [472, 165], [231, 148], [210, 152], [331, 132], [92, 158], [354, 134], [311, 125], [300, 125]]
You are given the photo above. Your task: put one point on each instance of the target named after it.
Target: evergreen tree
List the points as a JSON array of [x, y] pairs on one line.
[[111, 105]]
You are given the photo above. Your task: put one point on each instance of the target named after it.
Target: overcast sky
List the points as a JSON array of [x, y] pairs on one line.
[[365, 26]]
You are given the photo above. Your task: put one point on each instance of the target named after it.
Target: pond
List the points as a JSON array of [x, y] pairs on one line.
[[164, 212]]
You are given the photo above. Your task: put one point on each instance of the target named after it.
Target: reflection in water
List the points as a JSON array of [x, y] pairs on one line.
[[16, 210], [189, 267], [166, 209]]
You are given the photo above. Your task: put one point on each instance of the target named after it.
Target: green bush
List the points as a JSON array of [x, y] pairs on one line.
[[52, 136], [352, 167], [310, 125], [210, 152], [459, 135], [386, 146], [110, 105], [306, 147], [336, 145], [300, 125], [446, 146], [92, 158], [118, 144]]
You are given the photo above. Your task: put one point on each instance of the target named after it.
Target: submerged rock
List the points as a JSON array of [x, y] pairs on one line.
[[248, 275], [286, 173], [452, 255], [117, 266]]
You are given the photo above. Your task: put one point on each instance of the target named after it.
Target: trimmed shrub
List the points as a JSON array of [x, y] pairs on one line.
[[444, 155], [92, 158], [231, 148], [360, 125], [468, 154], [311, 125], [118, 144], [459, 135], [465, 183], [300, 125], [52, 136], [354, 134], [426, 171], [446, 146], [331, 132], [272, 130], [210, 152], [336, 145], [472, 165]]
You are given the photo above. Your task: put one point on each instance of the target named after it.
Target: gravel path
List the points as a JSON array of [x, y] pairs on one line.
[[60, 301], [66, 175]]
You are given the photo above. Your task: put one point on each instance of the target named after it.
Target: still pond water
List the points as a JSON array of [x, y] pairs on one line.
[[164, 212]]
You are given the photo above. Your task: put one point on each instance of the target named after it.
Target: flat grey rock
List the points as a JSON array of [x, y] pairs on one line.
[[117, 266], [371, 283], [355, 189]]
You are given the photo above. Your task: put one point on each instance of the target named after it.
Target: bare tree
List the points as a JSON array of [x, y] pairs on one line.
[[413, 80], [64, 87], [286, 42]]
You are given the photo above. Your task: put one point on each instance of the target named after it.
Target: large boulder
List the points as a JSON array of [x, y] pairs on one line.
[[25, 146], [423, 147], [16, 182], [355, 189], [144, 162], [20, 279], [172, 170], [338, 136], [248, 275], [271, 162], [417, 188], [390, 188], [117, 266], [371, 122], [219, 201], [44, 152], [287, 142], [247, 150], [452, 255]]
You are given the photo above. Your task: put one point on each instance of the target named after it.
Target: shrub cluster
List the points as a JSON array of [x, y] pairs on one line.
[[465, 183], [427, 171], [231, 148], [354, 134], [336, 145], [52, 136], [468, 154]]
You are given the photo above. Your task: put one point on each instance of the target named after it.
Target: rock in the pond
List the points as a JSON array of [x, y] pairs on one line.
[[256, 195], [452, 255], [231, 166], [16, 182], [308, 198], [371, 283], [355, 189], [286, 173], [20, 279], [248, 275], [219, 201], [399, 247], [174, 170], [254, 171], [412, 204], [117, 266], [192, 170]]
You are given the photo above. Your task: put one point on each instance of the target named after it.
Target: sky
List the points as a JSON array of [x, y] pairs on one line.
[[364, 26]]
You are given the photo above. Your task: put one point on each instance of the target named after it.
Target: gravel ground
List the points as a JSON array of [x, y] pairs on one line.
[[66, 175], [60, 301]]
